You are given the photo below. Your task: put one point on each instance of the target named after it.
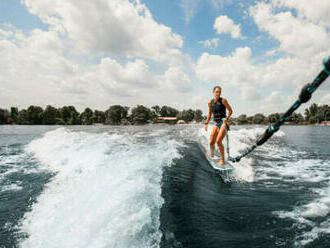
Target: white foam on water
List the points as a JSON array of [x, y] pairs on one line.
[[307, 171], [323, 228], [11, 187], [106, 191], [304, 170], [289, 164], [11, 159], [292, 165], [283, 163], [305, 217], [14, 163]]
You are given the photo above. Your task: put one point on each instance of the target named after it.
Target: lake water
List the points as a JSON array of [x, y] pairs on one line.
[[152, 186]]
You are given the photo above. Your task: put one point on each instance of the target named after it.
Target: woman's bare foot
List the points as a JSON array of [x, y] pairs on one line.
[[221, 163]]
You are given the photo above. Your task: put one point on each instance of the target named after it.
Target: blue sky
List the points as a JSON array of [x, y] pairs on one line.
[[15, 13], [200, 27], [160, 52]]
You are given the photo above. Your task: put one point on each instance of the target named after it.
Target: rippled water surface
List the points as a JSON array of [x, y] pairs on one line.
[[153, 186]]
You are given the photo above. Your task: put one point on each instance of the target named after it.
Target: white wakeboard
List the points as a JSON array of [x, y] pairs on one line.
[[225, 167]]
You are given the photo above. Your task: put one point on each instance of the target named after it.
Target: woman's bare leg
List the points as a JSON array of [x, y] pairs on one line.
[[220, 136], [213, 138]]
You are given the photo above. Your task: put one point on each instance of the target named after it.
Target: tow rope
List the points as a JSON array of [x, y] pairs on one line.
[[304, 96]]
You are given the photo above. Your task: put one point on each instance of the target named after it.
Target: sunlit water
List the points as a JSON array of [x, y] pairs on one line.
[[152, 186]]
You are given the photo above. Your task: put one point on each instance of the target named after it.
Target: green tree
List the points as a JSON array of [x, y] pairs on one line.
[[311, 112], [23, 117], [316, 114], [141, 114], [156, 110], [115, 114], [186, 115], [13, 115], [34, 115], [4, 116], [74, 116], [313, 119], [98, 116], [167, 111], [296, 118], [87, 117], [327, 114], [242, 119], [272, 118], [258, 118], [64, 114], [49, 116], [68, 115], [322, 112], [250, 119], [198, 116]]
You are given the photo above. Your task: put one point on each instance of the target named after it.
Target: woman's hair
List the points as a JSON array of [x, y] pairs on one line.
[[216, 87]]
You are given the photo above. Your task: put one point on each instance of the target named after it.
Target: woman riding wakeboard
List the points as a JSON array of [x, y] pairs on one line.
[[217, 106]]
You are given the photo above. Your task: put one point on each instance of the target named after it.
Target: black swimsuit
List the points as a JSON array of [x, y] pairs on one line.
[[218, 111]]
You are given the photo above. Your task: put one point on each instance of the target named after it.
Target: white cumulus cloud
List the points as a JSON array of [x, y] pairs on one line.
[[100, 26], [93, 53], [298, 37], [316, 11], [190, 7], [223, 24], [212, 43], [303, 43]]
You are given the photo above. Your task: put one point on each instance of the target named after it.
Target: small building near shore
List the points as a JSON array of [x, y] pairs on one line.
[[168, 120], [325, 123]]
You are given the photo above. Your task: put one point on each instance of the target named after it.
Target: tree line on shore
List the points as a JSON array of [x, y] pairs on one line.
[[117, 114], [114, 115], [312, 115]]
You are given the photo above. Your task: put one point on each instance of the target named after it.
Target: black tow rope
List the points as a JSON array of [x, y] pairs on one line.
[[304, 96]]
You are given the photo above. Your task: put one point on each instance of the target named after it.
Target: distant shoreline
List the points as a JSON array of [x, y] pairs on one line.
[[146, 124], [141, 115]]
